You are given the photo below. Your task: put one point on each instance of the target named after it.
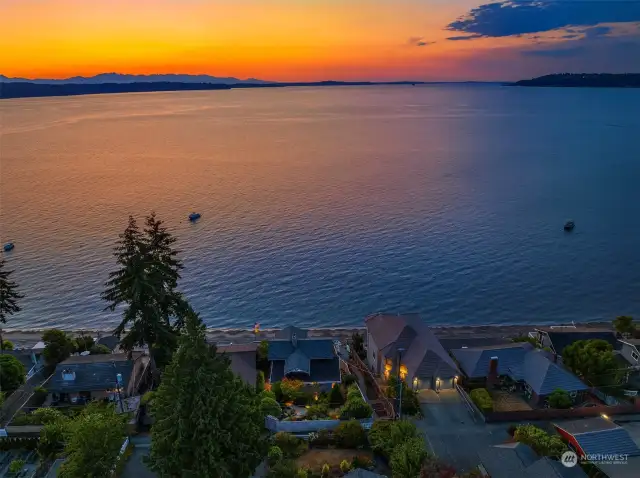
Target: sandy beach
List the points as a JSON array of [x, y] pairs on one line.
[[28, 338]]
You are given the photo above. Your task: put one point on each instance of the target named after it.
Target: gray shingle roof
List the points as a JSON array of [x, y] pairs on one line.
[[474, 362], [516, 460], [92, 373], [424, 356], [601, 436], [520, 362], [544, 376], [243, 360], [320, 371], [297, 362], [312, 348]]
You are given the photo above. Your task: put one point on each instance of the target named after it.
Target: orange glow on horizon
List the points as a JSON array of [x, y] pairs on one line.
[[285, 40]]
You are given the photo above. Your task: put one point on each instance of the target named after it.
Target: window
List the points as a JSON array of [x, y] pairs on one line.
[[634, 355]]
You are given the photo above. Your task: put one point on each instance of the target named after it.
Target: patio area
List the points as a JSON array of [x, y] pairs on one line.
[[508, 401]]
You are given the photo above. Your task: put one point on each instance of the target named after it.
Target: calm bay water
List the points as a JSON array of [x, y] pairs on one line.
[[320, 206]]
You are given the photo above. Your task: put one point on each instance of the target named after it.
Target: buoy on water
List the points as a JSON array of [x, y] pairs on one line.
[[8, 246], [194, 216]]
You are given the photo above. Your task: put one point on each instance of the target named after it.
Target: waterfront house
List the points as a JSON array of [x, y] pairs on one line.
[[557, 338], [243, 360], [533, 371], [293, 354], [517, 460], [83, 378], [408, 341], [630, 350]]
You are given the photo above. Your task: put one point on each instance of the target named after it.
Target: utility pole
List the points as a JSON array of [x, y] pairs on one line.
[[400, 383]]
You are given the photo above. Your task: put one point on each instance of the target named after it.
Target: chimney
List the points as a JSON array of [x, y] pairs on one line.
[[68, 375], [294, 339], [493, 366]]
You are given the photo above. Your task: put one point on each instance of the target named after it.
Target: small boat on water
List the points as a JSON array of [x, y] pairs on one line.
[[8, 246], [194, 216], [569, 225]]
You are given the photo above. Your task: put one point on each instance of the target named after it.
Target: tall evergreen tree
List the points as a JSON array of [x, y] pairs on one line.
[[9, 297], [208, 422], [145, 283]]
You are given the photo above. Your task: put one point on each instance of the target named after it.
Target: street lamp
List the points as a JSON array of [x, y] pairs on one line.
[[400, 383]]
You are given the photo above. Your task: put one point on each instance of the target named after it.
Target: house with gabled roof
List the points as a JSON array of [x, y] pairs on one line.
[[517, 460], [407, 342], [293, 354], [557, 338], [534, 370]]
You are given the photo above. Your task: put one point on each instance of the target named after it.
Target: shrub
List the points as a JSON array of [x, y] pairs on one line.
[[356, 408], [319, 411], [291, 389], [302, 473], [353, 392], [291, 446], [345, 466], [100, 349], [407, 458], [283, 469], [39, 395], [260, 381], [7, 345], [482, 399], [267, 393], [302, 398], [336, 398], [349, 379], [268, 406], [362, 461], [322, 439], [326, 470], [384, 436], [16, 466], [560, 399], [541, 442], [410, 402], [275, 455], [350, 434], [82, 343], [276, 388], [147, 398]]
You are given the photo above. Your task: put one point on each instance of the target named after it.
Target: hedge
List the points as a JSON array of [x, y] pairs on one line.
[[482, 399]]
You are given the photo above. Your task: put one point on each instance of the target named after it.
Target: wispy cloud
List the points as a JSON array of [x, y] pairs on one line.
[[419, 41], [465, 37]]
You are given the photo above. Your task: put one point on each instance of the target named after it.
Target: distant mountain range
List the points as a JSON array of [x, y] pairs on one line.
[[123, 78]]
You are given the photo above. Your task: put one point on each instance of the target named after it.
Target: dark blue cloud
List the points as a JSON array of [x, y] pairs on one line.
[[517, 17], [596, 31]]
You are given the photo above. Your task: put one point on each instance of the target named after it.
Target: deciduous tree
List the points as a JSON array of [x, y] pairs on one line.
[[560, 399], [208, 421], [57, 347], [92, 443], [593, 361], [624, 325], [12, 373]]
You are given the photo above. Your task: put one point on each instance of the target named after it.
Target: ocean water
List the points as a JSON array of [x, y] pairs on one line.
[[323, 205]]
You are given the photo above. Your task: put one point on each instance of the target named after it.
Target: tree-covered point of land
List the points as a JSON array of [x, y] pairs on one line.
[[145, 283], [9, 297], [208, 422], [593, 361]]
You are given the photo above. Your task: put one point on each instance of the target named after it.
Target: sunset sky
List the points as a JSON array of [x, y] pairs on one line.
[[319, 39]]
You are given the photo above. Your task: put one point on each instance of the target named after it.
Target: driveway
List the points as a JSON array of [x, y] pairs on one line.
[[451, 432]]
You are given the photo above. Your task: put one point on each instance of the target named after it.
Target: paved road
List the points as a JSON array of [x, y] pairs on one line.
[[452, 434]]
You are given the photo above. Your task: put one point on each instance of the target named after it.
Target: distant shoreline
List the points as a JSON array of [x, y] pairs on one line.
[[14, 90], [27, 338], [584, 80]]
